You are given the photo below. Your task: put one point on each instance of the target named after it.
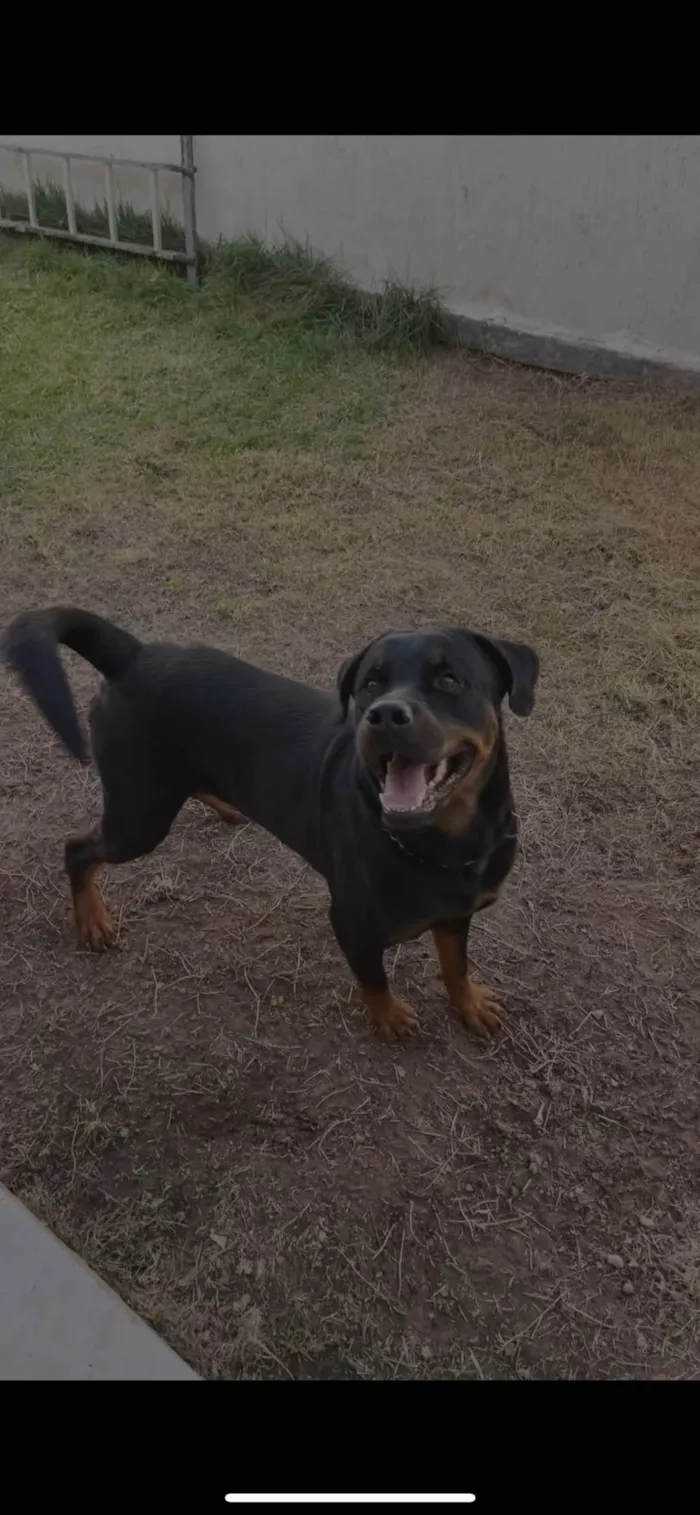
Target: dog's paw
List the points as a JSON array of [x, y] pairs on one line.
[[392, 1017], [93, 924], [480, 1009]]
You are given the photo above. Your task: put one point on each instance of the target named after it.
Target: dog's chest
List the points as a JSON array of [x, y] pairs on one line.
[[415, 898]]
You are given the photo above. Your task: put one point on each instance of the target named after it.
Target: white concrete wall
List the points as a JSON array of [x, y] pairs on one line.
[[596, 234]]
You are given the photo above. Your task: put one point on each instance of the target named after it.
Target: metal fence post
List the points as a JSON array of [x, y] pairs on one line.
[[188, 206]]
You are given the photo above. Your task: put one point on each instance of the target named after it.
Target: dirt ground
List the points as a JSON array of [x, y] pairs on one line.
[[204, 1114]]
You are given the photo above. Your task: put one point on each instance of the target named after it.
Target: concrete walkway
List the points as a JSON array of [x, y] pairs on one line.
[[59, 1321]]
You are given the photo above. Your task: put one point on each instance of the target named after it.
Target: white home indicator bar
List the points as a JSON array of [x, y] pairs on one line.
[[350, 1498]]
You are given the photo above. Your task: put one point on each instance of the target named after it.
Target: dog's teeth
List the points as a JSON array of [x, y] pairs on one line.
[[441, 771]]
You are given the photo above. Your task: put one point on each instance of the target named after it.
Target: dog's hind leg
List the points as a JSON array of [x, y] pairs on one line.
[[126, 833], [143, 790], [84, 858]]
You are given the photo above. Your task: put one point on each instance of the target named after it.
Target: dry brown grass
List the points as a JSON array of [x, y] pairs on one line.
[[205, 1114]]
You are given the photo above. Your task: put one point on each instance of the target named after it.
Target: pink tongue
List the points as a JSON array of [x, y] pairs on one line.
[[405, 785]]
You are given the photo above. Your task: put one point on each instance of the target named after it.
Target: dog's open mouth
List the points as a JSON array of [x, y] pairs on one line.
[[413, 789]]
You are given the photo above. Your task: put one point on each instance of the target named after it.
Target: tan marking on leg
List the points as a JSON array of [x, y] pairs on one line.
[[475, 1004], [390, 1016], [93, 922], [480, 1009], [227, 812]]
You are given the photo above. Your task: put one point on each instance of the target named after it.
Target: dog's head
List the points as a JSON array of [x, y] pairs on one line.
[[426, 709]]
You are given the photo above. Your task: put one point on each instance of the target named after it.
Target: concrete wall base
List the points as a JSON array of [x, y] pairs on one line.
[[543, 346]]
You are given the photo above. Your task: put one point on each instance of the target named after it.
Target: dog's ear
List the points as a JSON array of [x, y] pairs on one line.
[[519, 668], [345, 681]]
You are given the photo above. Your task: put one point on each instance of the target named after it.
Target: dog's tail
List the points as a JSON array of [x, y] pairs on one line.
[[31, 644]]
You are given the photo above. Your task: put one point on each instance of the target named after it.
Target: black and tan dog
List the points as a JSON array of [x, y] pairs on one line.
[[404, 806]]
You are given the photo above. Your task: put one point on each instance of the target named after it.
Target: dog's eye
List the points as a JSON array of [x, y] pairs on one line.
[[447, 681], [372, 682]]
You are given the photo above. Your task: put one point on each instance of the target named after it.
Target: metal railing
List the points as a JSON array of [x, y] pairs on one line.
[[185, 168]]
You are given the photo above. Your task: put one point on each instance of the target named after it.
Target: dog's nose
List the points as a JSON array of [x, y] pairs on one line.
[[389, 713]]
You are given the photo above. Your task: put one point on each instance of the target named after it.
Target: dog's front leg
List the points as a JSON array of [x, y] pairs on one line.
[[476, 1005], [390, 1016]]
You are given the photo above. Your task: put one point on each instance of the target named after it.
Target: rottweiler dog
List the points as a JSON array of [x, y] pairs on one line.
[[397, 790]]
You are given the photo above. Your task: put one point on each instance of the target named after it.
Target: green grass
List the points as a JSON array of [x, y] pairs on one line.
[[110, 359], [284, 282], [114, 367], [293, 285]]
